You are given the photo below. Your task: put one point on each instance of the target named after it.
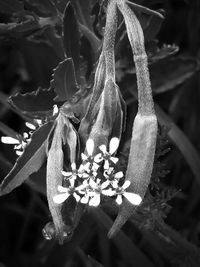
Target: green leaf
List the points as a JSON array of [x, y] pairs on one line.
[[29, 162], [71, 38], [64, 80], [11, 6], [35, 104]]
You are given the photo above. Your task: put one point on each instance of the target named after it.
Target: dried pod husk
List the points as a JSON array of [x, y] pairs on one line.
[[144, 133], [109, 119], [54, 176], [64, 134], [140, 165], [85, 125]]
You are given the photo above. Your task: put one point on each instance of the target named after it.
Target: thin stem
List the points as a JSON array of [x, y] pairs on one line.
[[136, 38]]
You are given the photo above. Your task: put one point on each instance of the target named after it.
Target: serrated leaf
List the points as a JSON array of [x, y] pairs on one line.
[[29, 162], [37, 103], [11, 6], [71, 37], [64, 80]]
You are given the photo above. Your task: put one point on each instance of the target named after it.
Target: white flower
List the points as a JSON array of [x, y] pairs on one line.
[[84, 189], [65, 192], [113, 177], [19, 143], [89, 166], [71, 175], [134, 199], [107, 155], [96, 190]]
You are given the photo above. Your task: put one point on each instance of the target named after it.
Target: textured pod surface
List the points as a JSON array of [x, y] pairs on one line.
[[140, 165], [54, 177]]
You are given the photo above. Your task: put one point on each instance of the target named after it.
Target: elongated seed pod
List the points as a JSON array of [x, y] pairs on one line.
[[54, 177], [144, 133]]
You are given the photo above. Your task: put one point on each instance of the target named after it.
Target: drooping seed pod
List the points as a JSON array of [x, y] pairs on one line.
[[144, 133]]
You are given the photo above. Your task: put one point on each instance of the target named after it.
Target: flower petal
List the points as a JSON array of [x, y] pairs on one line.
[[55, 110], [62, 189], [66, 174], [25, 135], [19, 153], [118, 175], [83, 156], [105, 184], [114, 159], [119, 199], [18, 146], [115, 184], [113, 146], [85, 199], [95, 201], [103, 148], [98, 158], [106, 165], [73, 166], [126, 184], [30, 125], [109, 192], [9, 140], [58, 199], [92, 183], [95, 166], [134, 199], [90, 146], [77, 197]]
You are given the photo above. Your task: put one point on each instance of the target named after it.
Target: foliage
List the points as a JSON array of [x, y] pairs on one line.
[[56, 75]]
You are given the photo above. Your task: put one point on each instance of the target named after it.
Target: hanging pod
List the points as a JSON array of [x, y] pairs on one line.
[[144, 133]]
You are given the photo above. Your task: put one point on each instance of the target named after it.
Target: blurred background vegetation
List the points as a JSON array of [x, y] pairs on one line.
[[169, 233]]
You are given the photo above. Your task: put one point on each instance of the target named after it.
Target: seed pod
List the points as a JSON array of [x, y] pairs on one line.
[[144, 133], [54, 176]]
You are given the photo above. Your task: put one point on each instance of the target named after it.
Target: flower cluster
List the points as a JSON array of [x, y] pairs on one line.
[[95, 178], [21, 141]]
